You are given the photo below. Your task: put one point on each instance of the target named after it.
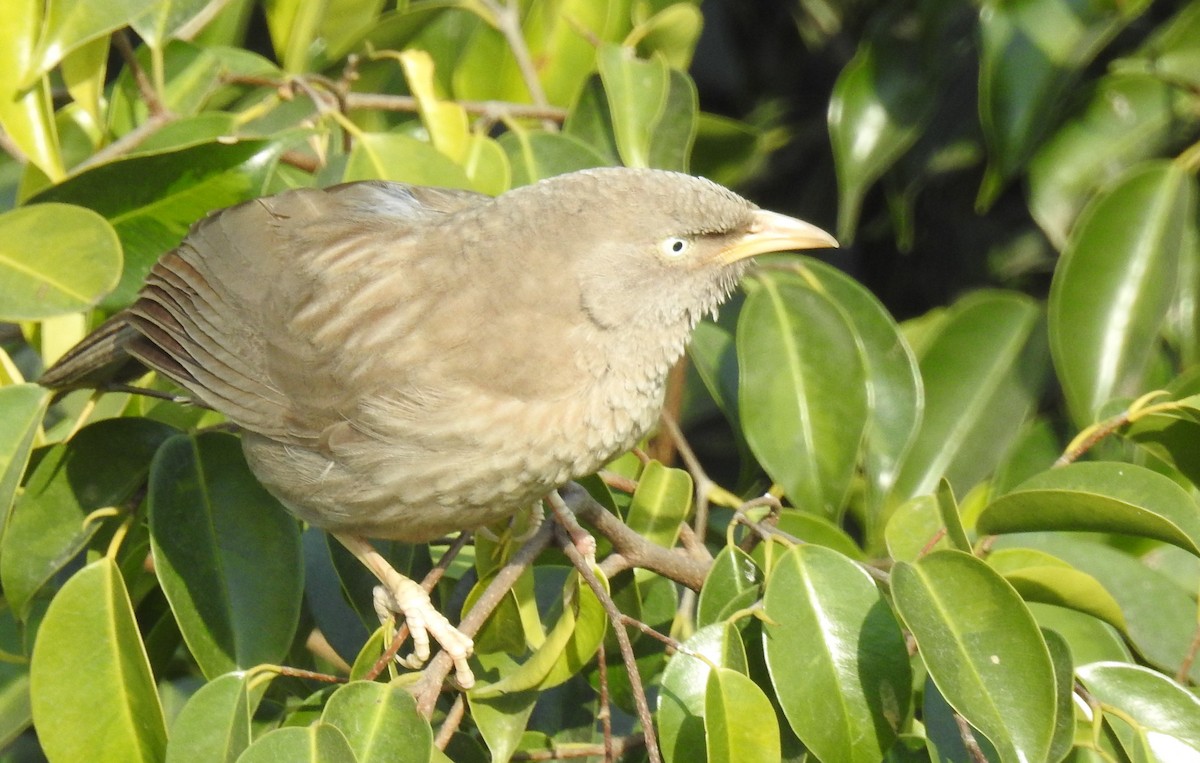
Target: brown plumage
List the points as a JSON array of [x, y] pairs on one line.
[[407, 361]]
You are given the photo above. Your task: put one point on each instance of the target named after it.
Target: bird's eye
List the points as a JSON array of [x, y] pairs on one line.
[[675, 246]]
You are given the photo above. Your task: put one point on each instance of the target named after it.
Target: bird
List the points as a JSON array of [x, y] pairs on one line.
[[407, 361]]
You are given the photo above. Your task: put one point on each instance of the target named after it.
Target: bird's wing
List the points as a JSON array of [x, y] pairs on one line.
[[218, 315]]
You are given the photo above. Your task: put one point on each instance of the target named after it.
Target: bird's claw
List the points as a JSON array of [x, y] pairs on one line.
[[409, 599]]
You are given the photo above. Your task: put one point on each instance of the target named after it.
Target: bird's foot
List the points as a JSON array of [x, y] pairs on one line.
[[399, 595]]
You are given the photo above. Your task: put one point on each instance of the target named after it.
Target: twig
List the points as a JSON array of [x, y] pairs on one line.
[[451, 723], [569, 751], [144, 86], [632, 550], [434, 676], [507, 18], [1185, 667], [127, 142], [664, 448], [969, 740], [627, 655], [605, 714]]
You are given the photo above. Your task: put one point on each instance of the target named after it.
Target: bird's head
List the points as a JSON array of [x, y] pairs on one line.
[[663, 248]]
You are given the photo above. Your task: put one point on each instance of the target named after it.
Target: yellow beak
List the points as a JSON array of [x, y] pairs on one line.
[[773, 232]]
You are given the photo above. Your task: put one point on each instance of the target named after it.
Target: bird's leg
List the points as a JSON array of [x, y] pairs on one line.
[[582, 540], [398, 594]]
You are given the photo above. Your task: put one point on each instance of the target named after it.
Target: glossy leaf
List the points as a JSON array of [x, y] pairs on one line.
[[380, 721], [879, 107], [802, 396], [1041, 577], [893, 379], [403, 159], [637, 92], [1129, 117], [730, 700], [734, 582], [1165, 717], [318, 743], [152, 200], [226, 554], [662, 501], [113, 715], [55, 259], [982, 372], [1115, 283], [1101, 497], [71, 23], [26, 111], [21, 408], [537, 155], [681, 701], [574, 638], [1160, 617], [101, 467], [214, 725], [982, 649], [836, 655], [1031, 53], [166, 19]]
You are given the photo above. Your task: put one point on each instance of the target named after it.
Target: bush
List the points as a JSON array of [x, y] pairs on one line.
[[969, 535]]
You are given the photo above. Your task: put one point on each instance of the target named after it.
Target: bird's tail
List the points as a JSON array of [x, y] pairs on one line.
[[100, 358]]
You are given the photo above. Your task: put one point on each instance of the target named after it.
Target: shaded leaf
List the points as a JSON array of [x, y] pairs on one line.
[[1114, 284], [732, 698], [214, 725], [226, 553], [681, 701], [21, 409], [733, 583], [380, 721]]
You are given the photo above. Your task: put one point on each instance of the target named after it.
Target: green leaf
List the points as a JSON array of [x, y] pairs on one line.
[[26, 110], [402, 159], [226, 553], [733, 583], [55, 259], [576, 635], [893, 378], [1173, 437], [730, 700], [1090, 639], [836, 655], [982, 649], [1031, 54], [98, 703], [672, 32], [1114, 284], [1041, 577], [380, 722], [802, 395], [1172, 51], [1160, 617], [151, 201], [661, 502], [1100, 497], [318, 743], [880, 105], [214, 725], [915, 528], [1129, 117], [21, 409], [166, 19], [982, 371], [1165, 717], [1064, 680], [72, 23], [100, 467], [637, 94], [537, 155], [681, 702]]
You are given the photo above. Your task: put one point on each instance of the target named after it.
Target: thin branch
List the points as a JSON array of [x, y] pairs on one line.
[[453, 721], [605, 714], [126, 143], [434, 676], [10, 147], [570, 751], [144, 86], [632, 550], [614, 615], [507, 18]]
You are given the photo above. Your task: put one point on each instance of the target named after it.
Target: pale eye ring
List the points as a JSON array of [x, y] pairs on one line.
[[675, 246]]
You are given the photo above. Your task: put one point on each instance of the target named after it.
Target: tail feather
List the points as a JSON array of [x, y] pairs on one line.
[[101, 358]]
